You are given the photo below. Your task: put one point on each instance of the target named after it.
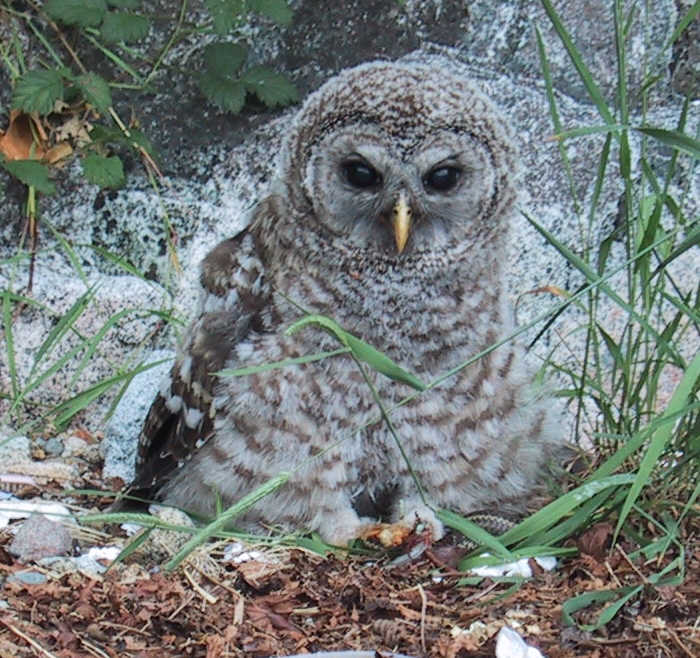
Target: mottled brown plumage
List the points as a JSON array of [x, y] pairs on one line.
[[382, 153]]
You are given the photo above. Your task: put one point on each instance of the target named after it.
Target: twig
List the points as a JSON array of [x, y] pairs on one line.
[[209, 598], [26, 638], [423, 606], [93, 649], [631, 564]]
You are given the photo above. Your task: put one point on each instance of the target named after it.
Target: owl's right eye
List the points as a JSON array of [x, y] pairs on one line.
[[361, 175]]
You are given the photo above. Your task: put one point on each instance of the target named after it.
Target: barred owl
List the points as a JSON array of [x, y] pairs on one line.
[[389, 213]]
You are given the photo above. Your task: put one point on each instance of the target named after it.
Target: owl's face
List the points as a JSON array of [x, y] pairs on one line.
[[398, 159], [375, 194]]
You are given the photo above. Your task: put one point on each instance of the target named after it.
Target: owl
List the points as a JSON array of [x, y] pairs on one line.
[[389, 213]]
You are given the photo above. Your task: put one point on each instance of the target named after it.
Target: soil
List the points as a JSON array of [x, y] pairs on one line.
[[277, 601]]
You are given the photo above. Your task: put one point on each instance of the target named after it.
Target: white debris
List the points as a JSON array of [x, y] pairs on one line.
[[510, 645], [237, 553], [107, 553], [21, 509], [520, 568]]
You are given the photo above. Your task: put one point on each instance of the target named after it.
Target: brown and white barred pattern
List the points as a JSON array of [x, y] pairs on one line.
[[477, 441]]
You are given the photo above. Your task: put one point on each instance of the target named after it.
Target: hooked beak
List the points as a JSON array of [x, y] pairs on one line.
[[401, 221]]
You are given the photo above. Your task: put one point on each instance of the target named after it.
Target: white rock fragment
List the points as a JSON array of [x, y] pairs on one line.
[[510, 645]]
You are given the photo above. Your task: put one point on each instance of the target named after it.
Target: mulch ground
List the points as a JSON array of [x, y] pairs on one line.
[[285, 601]]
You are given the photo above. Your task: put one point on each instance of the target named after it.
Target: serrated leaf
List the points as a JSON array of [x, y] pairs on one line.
[[278, 10], [270, 87], [104, 134], [224, 13], [37, 91], [85, 13], [224, 58], [229, 95], [102, 171], [95, 90], [30, 172], [123, 26], [124, 4]]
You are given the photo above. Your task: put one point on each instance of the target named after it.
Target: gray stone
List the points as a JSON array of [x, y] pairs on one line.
[[27, 578], [122, 430], [39, 537]]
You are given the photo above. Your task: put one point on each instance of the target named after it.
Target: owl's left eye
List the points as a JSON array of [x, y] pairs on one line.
[[442, 179]]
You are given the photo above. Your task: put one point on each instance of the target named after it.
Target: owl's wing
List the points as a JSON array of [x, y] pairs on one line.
[[180, 420]]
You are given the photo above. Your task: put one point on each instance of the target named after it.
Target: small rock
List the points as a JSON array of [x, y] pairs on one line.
[[40, 537], [27, 578], [53, 447]]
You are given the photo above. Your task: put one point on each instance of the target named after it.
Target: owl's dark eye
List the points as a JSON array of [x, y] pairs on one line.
[[442, 179], [359, 174]]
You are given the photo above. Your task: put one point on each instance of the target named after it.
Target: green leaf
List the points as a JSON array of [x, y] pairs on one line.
[[105, 134], [95, 90], [224, 13], [37, 91], [102, 171], [31, 172], [123, 26], [270, 87], [229, 95], [224, 58], [278, 10], [676, 140], [360, 350], [84, 13]]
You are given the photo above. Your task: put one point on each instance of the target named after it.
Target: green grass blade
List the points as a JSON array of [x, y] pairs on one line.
[[673, 139], [475, 533], [9, 342], [264, 367], [582, 70], [227, 517], [591, 276], [64, 411], [660, 437], [64, 325], [360, 350], [558, 509], [619, 596]]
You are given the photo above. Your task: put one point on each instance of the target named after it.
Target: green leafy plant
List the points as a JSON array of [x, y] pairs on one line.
[[112, 26]]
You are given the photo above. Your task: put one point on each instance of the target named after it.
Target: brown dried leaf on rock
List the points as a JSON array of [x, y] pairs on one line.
[[18, 141]]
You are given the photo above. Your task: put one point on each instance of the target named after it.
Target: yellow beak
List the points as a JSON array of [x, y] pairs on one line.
[[401, 219]]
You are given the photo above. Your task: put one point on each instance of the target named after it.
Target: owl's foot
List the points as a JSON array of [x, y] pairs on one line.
[[415, 513], [420, 520], [342, 527]]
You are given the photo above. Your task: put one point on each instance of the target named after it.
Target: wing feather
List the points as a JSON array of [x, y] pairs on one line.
[[180, 420]]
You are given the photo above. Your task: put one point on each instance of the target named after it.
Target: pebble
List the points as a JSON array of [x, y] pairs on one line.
[[27, 578], [40, 537]]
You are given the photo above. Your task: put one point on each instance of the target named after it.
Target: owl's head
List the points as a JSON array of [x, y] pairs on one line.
[[397, 159]]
